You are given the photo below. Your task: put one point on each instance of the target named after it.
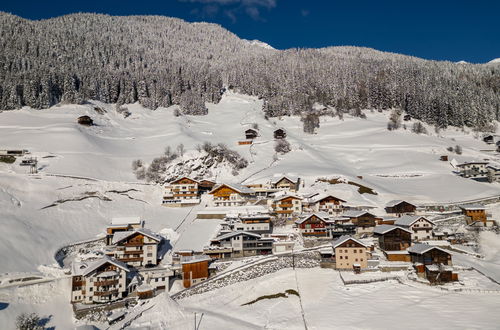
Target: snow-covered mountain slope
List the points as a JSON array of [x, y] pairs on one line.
[[496, 60], [260, 44], [94, 164]]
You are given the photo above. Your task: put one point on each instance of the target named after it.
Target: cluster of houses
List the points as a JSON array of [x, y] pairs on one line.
[[129, 266]]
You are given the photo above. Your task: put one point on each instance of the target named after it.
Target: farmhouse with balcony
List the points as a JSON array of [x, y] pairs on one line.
[[183, 191], [324, 203], [420, 226], [251, 134], [232, 194], [285, 183], [314, 225], [286, 206], [98, 281], [242, 244], [122, 224], [363, 220], [350, 253], [136, 248]]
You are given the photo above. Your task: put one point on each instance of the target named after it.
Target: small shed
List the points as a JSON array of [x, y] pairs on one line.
[[490, 139], [279, 133], [444, 158], [251, 134], [85, 120], [145, 291], [407, 117]]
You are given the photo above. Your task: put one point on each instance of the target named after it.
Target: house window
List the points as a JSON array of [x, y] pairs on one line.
[[150, 254], [356, 259], [355, 251], [341, 257]]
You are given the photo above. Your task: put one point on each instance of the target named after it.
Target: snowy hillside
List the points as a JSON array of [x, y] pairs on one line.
[[85, 178], [397, 164]]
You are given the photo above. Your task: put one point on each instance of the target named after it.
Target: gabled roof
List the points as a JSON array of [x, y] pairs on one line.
[[472, 163], [126, 221], [85, 268], [345, 238], [408, 220], [183, 177], [251, 130], [475, 206], [355, 214], [423, 248], [396, 202], [235, 186], [282, 197], [321, 215], [319, 198], [236, 233], [122, 235], [287, 177], [384, 229]]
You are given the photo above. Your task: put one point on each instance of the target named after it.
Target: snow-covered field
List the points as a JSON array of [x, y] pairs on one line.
[[86, 172]]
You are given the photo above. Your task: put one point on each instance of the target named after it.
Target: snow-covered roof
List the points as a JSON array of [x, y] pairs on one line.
[[355, 214], [321, 215], [478, 162], [126, 221], [236, 233], [423, 248], [408, 220], [183, 177], [345, 238], [279, 198], [235, 186], [195, 258], [255, 217], [475, 206], [319, 197], [290, 178], [121, 235], [85, 268], [396, 202], [383, 229]]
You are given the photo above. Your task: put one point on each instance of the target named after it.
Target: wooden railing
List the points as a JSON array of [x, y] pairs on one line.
[[107, 282], [105, 293]]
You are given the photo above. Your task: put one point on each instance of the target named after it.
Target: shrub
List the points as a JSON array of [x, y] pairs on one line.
[[458, 149], [282, 146], [419, 128], [28, 322]]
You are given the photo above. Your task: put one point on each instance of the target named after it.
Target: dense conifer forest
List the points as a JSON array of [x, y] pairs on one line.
[[161, 61]]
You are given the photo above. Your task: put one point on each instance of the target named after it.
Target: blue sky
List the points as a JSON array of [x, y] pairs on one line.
[[441, 30]]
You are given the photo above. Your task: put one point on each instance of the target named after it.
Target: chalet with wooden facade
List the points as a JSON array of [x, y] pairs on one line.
[[242, 244], [432, 263], [286, 183], [255, 223], [474, 213], [429, 255], [98, 281], [183, 191], [286, 206], [400, 207], [314, 225], [420, 226], [280, 133], [194, 269], [364, 221], [232, 195], [324, 203], [350, 253], [392, 238], [136, 248], [205, 186]]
